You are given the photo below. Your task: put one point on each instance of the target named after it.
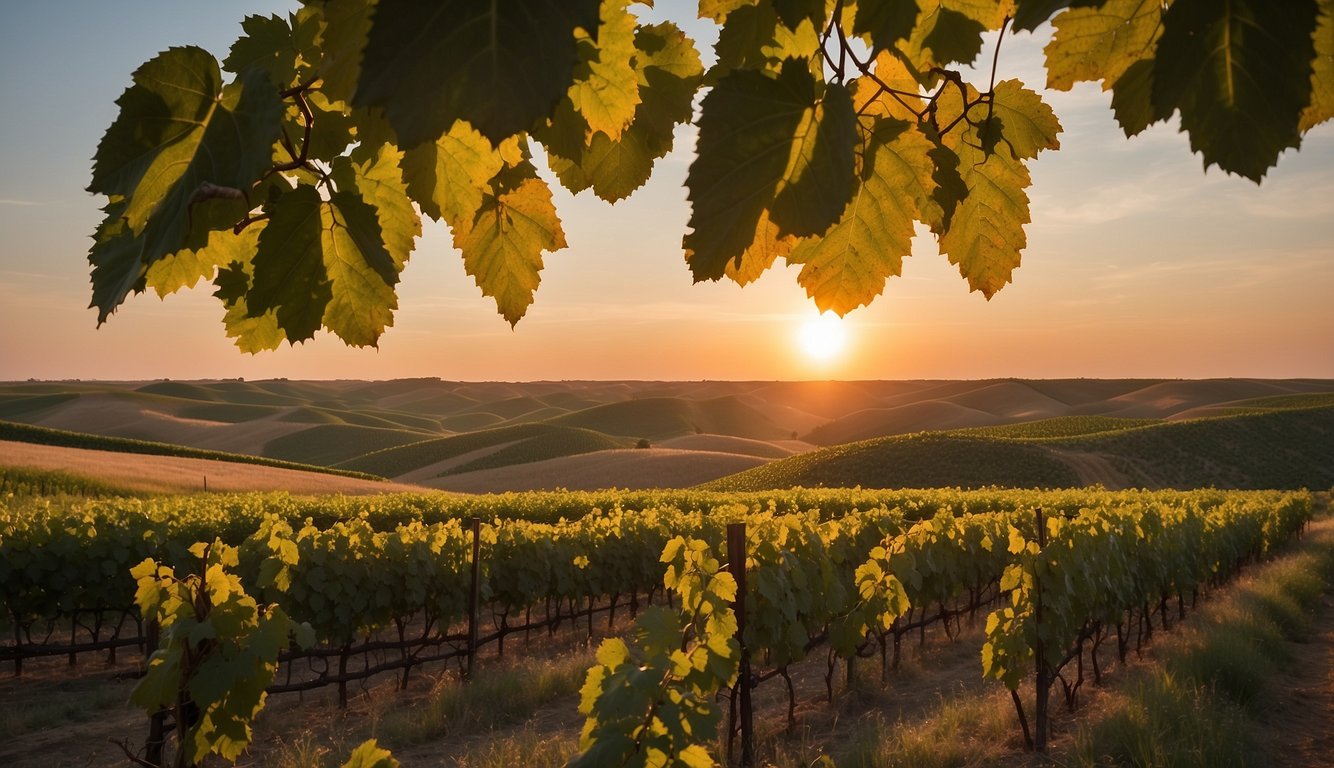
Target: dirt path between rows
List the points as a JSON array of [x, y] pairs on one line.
[[1300, 719]]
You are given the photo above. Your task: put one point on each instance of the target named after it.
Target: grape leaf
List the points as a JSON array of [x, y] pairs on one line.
[[821, 171], [767, 247], [267, 45], [501, 66], [669, 71], [718, 10], [347, 23], [502, 248], [324, 263], [608, 91], [186, 268], [950, 31], [1101, 43], [794, 12], [250, 334], [1029, 14], [1027, 124], [985, 235], [1322, 71], [848, 267], [747, 129], [1132, 101], [885, 21], [370, 754], [447, 177], [379, 182], [1240, 75], [177, 130]]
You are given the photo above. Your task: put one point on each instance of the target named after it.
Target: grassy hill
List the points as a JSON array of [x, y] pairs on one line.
[[516, 444], [1288, 448], [329, 444], [659, 417], [24, 433]]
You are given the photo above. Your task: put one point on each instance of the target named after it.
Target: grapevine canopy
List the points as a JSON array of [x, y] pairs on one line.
[[294, 173]]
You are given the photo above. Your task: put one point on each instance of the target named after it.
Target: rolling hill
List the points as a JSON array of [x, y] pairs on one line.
[[423, 429], [1280, 448]]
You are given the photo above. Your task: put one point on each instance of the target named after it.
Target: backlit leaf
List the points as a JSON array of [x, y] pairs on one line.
[[1101, 43], [502, 248], [1239, 72], [747, 129], [606, 94], [847, 268], [178, 129], [447, 177], [501, 66], [1322, 71]]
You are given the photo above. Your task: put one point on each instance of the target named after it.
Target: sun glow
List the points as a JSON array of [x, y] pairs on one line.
[[822, 337]]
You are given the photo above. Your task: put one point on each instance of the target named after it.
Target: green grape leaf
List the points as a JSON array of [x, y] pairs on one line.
[[178, 133], [325, 263], [608, 91], [501, 66], [502, 248], [187, 268], [249, 334], [1101, 43], [669, 71], [747, 130], [379, 181], [885, 21], [1240, 74], [793, 12], [267, 45], [848, 267], [1132, 101], [1029, 14], [447, 177], [821, 171], [347, 24], [742, 41], [1322, 71]]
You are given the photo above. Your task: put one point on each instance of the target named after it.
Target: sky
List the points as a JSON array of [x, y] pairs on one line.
[[1139, 264]]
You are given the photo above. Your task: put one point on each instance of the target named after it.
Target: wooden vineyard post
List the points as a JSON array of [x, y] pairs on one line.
[[474, 593], [1043, 682], [736, 565]]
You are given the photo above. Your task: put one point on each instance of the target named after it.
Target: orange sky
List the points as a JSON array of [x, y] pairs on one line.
[[1138, 263]]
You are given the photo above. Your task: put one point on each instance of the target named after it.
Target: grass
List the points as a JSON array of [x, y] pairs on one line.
[[910, 461], [498, 696], [29, 481], [330, 444], [551, 441], [662, 417], [560, 441], [1286, 449], [25, 433], [1201, 707]]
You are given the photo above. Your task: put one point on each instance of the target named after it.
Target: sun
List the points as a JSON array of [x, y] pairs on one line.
[[822, 337]]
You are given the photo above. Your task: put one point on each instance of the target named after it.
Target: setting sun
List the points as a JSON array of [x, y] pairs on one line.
[[823, 337]]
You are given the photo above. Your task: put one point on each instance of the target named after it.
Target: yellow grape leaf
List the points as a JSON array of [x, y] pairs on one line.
[[848, 267], [1321, 107], [1101, 43], [767, 247], [449, 176], [607, 93], [502, 248], [986, 232]]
